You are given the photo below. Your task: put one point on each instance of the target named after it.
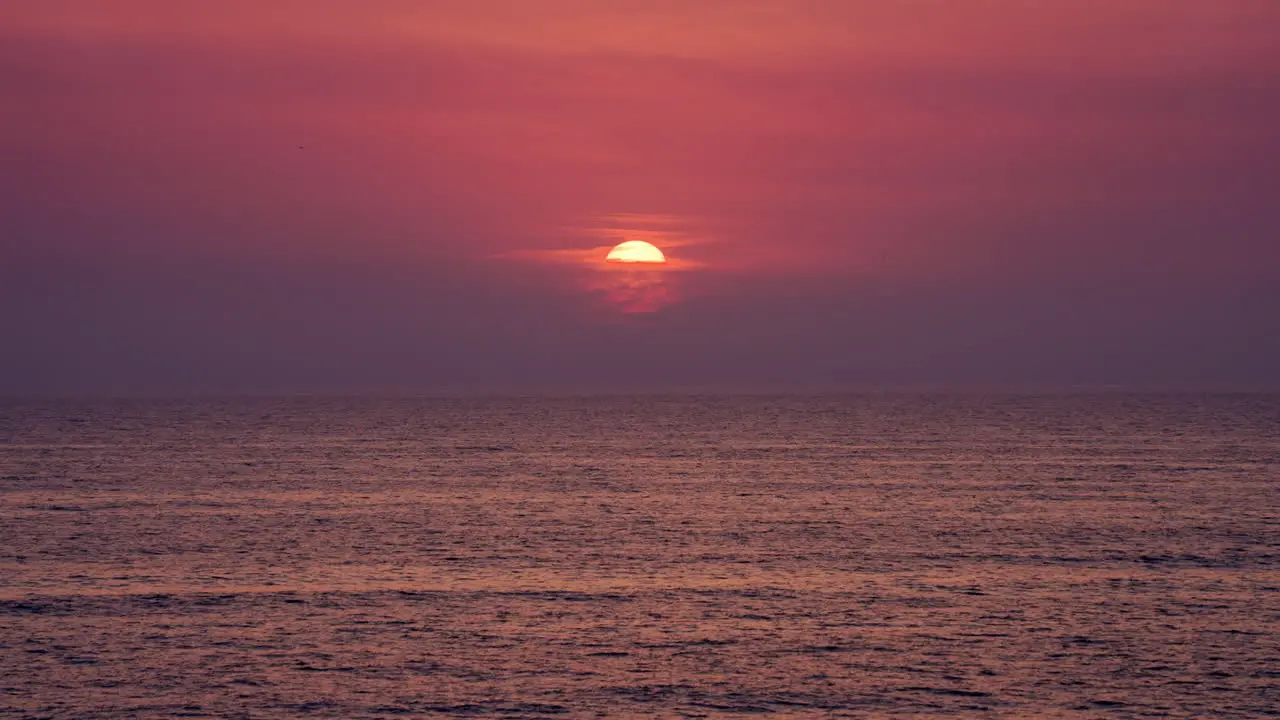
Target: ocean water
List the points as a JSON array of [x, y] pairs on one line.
[[1085, 556]]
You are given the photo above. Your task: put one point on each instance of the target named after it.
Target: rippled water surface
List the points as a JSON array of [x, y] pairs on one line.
[[704, 557]]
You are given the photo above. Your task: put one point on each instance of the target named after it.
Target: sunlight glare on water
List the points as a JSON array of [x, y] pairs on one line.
[[659, 556]]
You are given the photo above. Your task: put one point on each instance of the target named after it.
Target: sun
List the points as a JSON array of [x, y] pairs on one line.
[[635, 251]]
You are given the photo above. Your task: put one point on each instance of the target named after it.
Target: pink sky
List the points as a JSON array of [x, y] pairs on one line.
[[991, 147]]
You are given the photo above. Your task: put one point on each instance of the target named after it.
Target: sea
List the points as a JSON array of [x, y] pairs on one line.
[[1061, 555]]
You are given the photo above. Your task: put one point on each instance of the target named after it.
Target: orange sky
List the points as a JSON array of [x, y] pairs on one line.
[[866, 114], [1088, 32], [989, 143]]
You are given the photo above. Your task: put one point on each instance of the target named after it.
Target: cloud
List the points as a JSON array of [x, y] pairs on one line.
[[632, 288]]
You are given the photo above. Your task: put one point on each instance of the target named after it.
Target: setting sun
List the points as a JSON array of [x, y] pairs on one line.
[[635, 251]]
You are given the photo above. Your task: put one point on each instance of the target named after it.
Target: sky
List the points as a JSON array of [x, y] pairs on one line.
[[417, 196]]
